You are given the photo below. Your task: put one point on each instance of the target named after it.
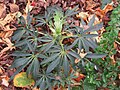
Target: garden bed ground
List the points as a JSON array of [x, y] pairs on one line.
[[87, 8]]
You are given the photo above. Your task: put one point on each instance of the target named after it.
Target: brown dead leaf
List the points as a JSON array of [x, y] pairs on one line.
[[6, 34], [117, 46], [83, 15], [35, 89], [55, 1], [28, 7], [113, 60], [1, 1], [9, 18], [77, 60], [79, 77], [108, 7], [105, 10], [1, 71], [9, 46], [1, 88], [82, 55], [5, 80], [119, 76], [14, 8], [10, 28], [2, 10], [83, 1], [91, 4]]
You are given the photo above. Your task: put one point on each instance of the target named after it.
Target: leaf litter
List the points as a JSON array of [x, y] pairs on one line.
[[8, 19]]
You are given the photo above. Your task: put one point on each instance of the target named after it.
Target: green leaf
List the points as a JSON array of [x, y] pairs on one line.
[[49, 59], [30, 68], [104, 78], [38, 82], [80, 44], [20, 53], [91, 21], [52, 65], [89, 86], [73, 44], [74, 54], [36, 67], [22, 20], [90, 43], [18, 35], [47, 46], [30, 46], [66, 66], [94, 28], [93, 55], [42, 85], [86, 47], [90, 35], [71, 58], [29, 18], [20, 43], [19, 62], [40, 22], [21, 80], [83, 22], [72, 11], [77, 88]]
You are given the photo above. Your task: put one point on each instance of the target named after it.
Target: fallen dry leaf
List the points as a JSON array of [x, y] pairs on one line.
[[91, 4], [14, 8], [1, 71], [2, 10], [1, 88], [29, 7], [117, 46], [82, 55], [105, 10], [79, 77], [113, 60], [5, 80], [9, 46], [35, 89], [83, 15], [6, 32]]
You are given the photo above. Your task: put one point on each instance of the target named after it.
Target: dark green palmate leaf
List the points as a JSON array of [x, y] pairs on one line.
[[83, 40], [93, 55], [20, 61], [71, 12], [44, 80], [53, 64], [66, 66], [18, 34], [34, 68], [20, 53], [92, 20], [94, 28], [51, 58]]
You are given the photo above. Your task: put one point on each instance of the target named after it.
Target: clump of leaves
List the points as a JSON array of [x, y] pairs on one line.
[[107, 76], [42, 50]]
